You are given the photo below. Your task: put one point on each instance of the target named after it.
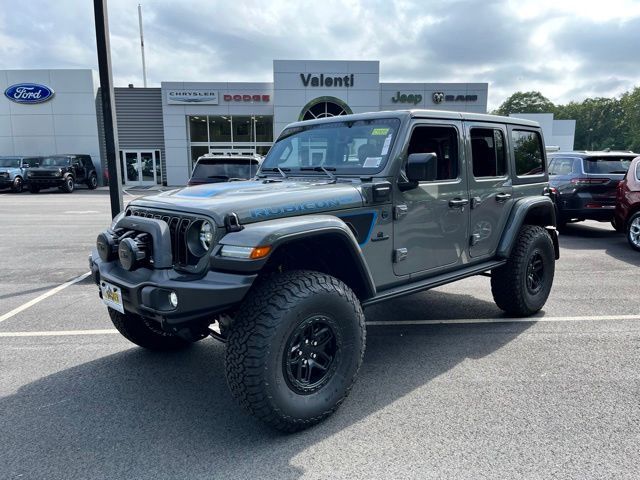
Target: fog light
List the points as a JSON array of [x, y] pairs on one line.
[[173, 299]]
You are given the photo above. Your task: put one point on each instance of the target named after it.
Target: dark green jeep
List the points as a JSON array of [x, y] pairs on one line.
[[345, 212]]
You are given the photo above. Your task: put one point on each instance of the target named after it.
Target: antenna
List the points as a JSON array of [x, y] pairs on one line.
[[144, 67]]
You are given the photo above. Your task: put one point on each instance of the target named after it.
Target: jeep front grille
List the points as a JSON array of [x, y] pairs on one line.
[[178, 226]]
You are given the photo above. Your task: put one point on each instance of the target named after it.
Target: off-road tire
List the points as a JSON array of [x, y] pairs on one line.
[[143, 333], [68, 185], [509, 283], [262, 330], [34, 188], [18, 185], [629, 233], [92, 183]]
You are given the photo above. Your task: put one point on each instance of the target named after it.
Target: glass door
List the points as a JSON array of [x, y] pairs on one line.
[[141, 167]]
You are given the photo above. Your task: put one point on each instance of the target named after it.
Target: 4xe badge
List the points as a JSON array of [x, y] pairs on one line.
[[28, 93]]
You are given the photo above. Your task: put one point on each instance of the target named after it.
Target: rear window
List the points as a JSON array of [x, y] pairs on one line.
[[607, 164], [226, 169], [561, 166], [527, 148]]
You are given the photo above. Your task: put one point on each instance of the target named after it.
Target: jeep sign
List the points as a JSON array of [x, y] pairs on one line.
[[28, 93], [414, 98]]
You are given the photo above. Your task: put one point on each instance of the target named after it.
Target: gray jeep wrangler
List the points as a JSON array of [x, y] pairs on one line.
[[345, 212]]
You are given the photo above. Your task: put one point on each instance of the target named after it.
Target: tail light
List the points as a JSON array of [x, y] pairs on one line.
[[589, 181]]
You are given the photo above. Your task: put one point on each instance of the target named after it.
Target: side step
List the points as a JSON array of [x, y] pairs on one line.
[[432, 282]]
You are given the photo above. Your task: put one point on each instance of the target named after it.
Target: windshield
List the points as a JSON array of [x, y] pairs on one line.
[[10, 162], [226, 169], [54, 162], [607, 164], [356, 147]]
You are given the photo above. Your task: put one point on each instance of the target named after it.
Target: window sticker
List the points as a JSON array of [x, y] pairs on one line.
[[385, 146], [380, 131], [372, 162]]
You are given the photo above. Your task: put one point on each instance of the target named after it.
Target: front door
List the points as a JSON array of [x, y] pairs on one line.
[[140, 168], [431, 220], [490, 188]]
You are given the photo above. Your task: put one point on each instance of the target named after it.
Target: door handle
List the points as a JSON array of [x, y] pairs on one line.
[[501, 197], [458, 202]]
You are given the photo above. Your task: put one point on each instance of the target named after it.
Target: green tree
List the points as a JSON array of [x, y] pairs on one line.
[[526, 102], [630, 105], [600, 123]]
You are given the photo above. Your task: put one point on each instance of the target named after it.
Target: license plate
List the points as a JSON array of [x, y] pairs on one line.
[[112, 296]]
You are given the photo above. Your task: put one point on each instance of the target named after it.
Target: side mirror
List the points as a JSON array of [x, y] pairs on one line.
[[421, 167]]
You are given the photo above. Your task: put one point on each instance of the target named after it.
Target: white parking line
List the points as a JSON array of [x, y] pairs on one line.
[[53, 291], [601, 318]]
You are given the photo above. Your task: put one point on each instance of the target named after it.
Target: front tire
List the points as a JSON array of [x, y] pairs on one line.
[[18, 185], [295, 348], [521, 286], [68, 185], [144, 333], [633, 231]]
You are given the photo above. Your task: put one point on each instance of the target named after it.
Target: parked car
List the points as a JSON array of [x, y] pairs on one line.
[[64, 172], [627, 212], [224, 168], [13, 172], [584, 184], [345, 212]]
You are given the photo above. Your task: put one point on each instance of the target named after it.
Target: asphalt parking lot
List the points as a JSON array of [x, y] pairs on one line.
[[477, 396]]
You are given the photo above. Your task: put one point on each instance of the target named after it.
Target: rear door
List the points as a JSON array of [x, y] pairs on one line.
[[490, 187]]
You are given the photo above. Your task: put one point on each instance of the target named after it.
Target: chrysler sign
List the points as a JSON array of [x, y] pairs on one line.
[[206, 97], [28, 93]]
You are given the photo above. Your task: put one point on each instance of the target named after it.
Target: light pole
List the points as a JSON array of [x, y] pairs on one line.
[[106, 99]]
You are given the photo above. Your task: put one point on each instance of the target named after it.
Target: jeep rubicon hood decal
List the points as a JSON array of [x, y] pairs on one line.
[[253, 201]]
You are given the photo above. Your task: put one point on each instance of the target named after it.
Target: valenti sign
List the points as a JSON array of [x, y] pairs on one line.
[[29, 93], [200, 97]]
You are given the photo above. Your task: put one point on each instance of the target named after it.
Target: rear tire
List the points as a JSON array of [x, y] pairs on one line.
[[521, 286], [145, 333], [633, 231], [68, 185], [294, 349], [92, 183]]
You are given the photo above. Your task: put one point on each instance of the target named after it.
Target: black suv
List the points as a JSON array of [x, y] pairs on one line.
[[584, 184], [64, 172]]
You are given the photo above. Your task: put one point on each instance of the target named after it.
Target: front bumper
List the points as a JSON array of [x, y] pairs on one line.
[[47, 182], [145, 291], [6, 182]]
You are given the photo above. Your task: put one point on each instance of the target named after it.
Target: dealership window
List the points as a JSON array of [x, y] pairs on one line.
[[487, 153], [223, 133], [527, 148]]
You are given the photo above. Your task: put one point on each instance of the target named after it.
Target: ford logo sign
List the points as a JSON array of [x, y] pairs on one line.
[[28, 93]]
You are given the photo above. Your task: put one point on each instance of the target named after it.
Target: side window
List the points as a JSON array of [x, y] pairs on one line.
[[487, 152], [86, 162], [443, 142], [638, 171], [75, 162], [561, 166], [527, 149]]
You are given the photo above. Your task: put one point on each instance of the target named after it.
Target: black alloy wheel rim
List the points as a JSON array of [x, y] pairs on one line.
[[94, 181], [70, 184], [310, 355], [535, 273]]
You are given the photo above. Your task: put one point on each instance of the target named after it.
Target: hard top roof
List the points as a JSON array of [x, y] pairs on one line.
[[435, 114]]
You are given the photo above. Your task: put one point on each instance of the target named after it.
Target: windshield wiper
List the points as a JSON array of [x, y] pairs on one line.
[[322, 169], [279, 170]]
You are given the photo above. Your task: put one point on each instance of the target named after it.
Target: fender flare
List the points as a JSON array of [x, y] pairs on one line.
[[278, 233], [539, 211]]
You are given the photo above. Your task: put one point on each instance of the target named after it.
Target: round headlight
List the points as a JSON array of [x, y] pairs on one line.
[[206, 235]]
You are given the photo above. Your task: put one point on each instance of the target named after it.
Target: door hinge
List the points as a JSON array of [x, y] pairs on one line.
[[400, 254], [475, 238], [400, 211]]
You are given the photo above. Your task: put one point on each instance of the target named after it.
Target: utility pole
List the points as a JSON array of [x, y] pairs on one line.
[[144, 67], [106, 98]]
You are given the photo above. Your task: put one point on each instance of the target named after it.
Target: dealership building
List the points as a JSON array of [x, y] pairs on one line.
[[162, 131]]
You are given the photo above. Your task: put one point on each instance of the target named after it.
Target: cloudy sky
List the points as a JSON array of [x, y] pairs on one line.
[[566, 49]]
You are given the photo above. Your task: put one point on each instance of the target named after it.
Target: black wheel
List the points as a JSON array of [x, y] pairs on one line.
[[522, 286], [68, 185], [294, 348], [17, 185], [633, 231], [34, 188], [92, 183], [146, 333]]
